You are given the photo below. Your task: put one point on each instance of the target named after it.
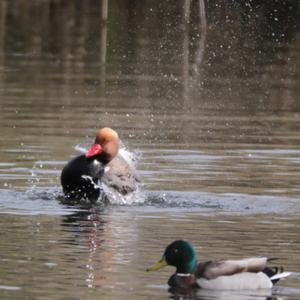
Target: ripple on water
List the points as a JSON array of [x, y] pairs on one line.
[[32, 202], [9, 288], [50, 201]]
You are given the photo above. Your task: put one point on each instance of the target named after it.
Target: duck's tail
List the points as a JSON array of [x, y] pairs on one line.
[[280, 276], [276, 273]]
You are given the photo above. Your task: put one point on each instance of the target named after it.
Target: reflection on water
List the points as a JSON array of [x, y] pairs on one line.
[[225, 295], [105, 252], [206, 92]]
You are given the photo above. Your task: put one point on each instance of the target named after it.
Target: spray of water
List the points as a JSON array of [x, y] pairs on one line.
[[111, 195]]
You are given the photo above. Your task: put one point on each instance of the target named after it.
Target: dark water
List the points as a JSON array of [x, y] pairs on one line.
[[212, 116]]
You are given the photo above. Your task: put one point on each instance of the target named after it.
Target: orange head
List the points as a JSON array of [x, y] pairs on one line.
[[106, 144]]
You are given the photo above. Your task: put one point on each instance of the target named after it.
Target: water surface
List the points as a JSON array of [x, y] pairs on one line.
[[216, 137]]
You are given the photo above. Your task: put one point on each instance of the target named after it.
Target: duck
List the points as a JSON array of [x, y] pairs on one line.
[[245, 274], [80, 177]]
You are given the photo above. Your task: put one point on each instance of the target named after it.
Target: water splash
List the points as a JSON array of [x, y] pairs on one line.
[[90, 179], [110, 195], [115, 198], [49, 199], [33, 179], [132, 158]]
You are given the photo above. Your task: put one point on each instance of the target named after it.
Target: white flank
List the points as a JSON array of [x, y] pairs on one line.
[[240, 281]]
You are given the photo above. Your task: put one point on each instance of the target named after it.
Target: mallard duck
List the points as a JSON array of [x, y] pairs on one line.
[[245, 274]]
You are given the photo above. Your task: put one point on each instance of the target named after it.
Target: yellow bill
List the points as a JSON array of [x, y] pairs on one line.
[[161, 264]]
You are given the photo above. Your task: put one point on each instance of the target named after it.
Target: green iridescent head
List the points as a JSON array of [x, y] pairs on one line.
[[179, 254]]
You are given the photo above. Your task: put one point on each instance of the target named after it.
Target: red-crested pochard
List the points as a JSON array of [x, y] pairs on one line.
[[81, 176]]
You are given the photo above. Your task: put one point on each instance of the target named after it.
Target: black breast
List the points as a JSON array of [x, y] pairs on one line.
[[182, 283], [79, 178]]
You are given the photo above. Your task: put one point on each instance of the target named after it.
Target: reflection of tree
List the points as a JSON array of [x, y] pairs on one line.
[[103, 44], [201, 45], [154, 50], [3, 6], [200, 41], [52, 25], [186, 42]]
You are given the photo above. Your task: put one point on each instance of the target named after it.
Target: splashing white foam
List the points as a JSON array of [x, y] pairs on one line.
[[113, 196], [130, 157], [89, 178]]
